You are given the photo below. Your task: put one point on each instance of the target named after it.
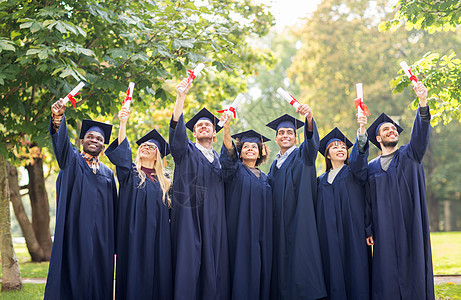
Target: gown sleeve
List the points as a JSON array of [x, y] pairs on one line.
[[310, 147], [178, 139], [229, 165], [419, 137], [121, 157], [358, 162], [62, 147]]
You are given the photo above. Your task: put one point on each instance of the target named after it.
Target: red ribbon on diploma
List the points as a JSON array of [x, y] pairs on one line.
[[412, 77], [231, 109], [191, 74], [293, 101], [72, 99], [359, 103], [127, 98]]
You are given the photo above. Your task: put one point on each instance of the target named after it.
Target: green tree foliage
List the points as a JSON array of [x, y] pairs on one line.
[[47, 47], [441, 73]]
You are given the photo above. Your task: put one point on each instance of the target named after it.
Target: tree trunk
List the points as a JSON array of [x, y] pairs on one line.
[[431, 197], [35, 251], [40, 206], [11, 279], [447, 211]]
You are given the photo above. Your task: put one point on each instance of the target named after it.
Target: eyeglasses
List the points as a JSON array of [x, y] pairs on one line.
[[150, 147]]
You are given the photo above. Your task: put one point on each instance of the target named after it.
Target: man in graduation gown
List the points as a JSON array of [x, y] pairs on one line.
[[82, 258], [296, 269], [399, 225], [198, 223]]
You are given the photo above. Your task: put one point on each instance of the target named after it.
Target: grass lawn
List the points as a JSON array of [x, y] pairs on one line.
[[446, 256], [446, 252]]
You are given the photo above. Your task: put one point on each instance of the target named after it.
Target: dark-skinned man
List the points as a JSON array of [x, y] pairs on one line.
[[82, 258]]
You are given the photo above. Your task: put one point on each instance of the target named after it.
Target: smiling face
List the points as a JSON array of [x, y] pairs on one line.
[[285, 138], [204, 129], [93, 143], [337, 152], [148, 151], [388, 135], [250, 151]]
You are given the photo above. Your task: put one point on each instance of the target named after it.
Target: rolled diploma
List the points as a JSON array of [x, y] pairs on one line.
[[73, 92], [359, 95], [407, 69], [195, 73], [130, 96], [234, 105], [289, 98]]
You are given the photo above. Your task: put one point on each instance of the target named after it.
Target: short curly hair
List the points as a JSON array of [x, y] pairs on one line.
[[262, 158]]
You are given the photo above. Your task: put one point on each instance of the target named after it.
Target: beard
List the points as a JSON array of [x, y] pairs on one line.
[[389, 144]]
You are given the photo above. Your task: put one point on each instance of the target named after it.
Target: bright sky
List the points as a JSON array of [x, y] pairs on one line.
[[287, 12]]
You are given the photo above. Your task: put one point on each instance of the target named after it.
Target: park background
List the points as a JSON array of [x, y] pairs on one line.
[[317, 50]]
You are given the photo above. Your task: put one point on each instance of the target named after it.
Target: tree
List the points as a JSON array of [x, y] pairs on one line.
[[47, 47], [11, 279], [440, 73]]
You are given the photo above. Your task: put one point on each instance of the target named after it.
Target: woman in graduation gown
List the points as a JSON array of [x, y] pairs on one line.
[[143, 246], [340, 212], [248, 214]]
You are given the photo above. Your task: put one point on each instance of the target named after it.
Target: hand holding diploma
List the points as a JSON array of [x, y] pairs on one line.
[[231, 110], [192, 75], [410, 75], [362, 109], [290, 99], [71, 95], [124, 114], [129, 96]]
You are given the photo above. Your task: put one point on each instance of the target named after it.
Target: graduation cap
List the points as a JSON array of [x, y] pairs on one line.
[[285, 121], [333, 136], [154, 137], [250, 136], [102, 128], [204, 114], [374, 128]]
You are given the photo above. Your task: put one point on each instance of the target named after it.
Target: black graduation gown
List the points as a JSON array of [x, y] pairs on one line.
[[402, 260], [82, 258], [340, 212], [297, 266], [144, 264], [249, 229], [198, 222]]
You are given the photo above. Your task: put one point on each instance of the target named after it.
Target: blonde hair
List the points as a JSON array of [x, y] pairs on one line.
[[164, 182]]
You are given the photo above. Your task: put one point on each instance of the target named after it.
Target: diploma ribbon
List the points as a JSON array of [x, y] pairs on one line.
[[294, 100], [72, 99], [127, 98], [412, 76], [191, 75], [359, 103], [232, 109]]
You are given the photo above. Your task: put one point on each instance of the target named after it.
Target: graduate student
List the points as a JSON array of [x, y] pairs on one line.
[[399, 231], [82, 258], [144, 263], [198, 221], [296, 266], [248, 213], [340, 212]]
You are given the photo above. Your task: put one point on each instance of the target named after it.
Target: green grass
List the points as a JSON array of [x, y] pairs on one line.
[[446, 256], [446, 252], [28, 269], [31, 291], [448, 291]]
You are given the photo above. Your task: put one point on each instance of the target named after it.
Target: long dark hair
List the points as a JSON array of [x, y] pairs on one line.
[[328, 163], [262, 158]]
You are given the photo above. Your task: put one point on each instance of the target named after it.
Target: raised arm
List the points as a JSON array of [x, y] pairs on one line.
[[59, 136], [180, 97], [310, 146], [359, 155], [421, 128], [123, 116]]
